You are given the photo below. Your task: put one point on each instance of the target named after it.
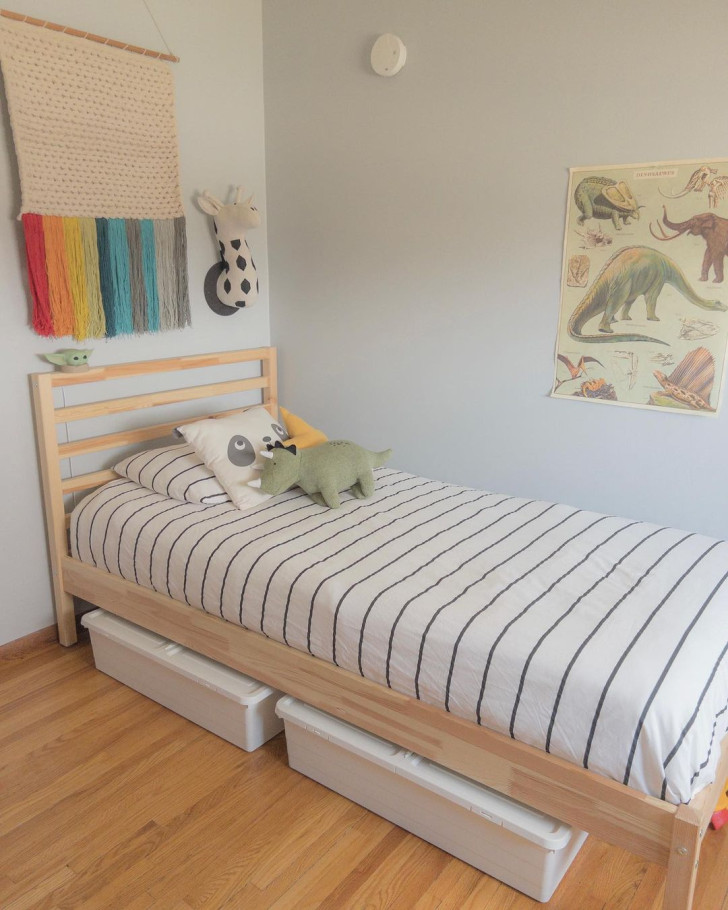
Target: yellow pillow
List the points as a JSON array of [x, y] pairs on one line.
[[302, 435]]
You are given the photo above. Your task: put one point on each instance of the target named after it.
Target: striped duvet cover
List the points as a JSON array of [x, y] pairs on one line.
[[595, 638]]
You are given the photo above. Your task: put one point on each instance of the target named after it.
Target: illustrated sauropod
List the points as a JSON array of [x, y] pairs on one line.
[[631, 272]]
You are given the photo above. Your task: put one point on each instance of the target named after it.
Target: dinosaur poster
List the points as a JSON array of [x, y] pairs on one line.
[[644, 305]]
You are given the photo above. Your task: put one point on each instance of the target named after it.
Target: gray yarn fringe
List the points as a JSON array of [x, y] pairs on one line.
[[166, 277], [136, 276], [183, 293]]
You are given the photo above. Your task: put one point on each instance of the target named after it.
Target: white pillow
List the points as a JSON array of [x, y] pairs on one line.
[[231, 446], [174, 471]]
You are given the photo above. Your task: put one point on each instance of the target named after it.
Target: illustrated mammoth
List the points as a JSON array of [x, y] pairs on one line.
[[704, 177], [712, 228]]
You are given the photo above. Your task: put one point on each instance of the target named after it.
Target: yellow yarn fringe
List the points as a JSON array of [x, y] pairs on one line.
[[76, 277], [96, 319], [59, 291]]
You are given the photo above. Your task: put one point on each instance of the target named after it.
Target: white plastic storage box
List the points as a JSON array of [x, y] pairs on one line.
[[517, 845], [235, 707]]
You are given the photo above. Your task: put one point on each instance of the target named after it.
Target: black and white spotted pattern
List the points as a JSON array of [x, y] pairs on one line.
[[237, 285], [595, 638]]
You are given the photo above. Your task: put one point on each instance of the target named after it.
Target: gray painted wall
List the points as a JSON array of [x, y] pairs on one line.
[[415, 227], [219, 94]]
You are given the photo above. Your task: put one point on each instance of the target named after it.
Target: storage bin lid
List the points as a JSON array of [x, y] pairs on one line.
[[535, 826], [209, 673], [353, 739]]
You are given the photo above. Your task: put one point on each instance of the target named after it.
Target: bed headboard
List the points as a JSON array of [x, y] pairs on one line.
[[51, 452]]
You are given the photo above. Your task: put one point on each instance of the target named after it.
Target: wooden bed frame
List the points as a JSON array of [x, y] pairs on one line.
[[660, 832]]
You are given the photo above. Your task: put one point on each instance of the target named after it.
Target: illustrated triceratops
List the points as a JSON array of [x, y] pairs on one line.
[[604, 198]]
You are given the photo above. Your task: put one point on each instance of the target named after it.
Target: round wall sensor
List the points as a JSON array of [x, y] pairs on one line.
[[388, 55]]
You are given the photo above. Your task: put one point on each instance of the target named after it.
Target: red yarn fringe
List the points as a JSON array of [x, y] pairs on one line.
[[37, 275]]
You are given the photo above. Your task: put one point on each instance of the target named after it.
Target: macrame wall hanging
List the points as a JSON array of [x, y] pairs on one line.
[[96, 142]]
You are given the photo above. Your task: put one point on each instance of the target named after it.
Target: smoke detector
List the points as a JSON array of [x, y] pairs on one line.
[[388, 55]]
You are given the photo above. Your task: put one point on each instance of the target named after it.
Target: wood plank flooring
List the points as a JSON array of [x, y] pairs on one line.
[[108, 800]]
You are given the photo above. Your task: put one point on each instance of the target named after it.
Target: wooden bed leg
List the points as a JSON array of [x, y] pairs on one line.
[[682, 866], [65, 616]]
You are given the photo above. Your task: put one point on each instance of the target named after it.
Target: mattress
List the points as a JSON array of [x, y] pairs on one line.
[[595, 638]]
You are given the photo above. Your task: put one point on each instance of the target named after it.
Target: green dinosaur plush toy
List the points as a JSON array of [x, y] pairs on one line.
[[322, 471]]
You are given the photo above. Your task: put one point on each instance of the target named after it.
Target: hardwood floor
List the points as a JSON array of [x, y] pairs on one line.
[[108, 800]]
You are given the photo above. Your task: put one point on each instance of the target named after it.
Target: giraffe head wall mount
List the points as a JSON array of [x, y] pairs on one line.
[[232, 283]]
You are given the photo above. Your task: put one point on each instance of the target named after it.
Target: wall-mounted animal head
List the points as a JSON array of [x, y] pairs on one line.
[[239, 216], [232, 283]]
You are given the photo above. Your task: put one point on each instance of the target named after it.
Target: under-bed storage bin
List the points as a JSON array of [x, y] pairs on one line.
[[517, 845], [235, 707]]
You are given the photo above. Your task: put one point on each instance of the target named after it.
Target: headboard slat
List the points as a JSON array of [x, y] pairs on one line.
[[153, 399], [167, 365], [131, 437]]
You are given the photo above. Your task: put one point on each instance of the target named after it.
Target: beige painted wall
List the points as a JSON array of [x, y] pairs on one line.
[[416, 225], [219, 91]]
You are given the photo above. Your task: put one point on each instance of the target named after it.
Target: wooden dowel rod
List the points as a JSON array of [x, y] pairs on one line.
[[67, 30]]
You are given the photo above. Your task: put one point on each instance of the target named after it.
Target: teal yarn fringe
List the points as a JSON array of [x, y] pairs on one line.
[[143, 274], [106, 278], [119, 255], [149, 271]]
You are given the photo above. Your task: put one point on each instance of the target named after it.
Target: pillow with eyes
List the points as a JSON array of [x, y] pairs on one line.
[[230, 447]]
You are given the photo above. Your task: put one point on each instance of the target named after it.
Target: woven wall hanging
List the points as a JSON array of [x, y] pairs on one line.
[[96, 142]]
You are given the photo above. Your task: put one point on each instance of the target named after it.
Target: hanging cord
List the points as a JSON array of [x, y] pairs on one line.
[[156, 25], [99, 39]]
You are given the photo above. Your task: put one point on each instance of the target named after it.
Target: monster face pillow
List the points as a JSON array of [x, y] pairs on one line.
[[231, 446]]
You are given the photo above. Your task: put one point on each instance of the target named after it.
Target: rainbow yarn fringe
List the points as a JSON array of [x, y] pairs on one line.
[[102, 277]]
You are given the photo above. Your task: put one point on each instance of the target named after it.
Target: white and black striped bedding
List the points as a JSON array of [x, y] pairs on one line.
[[595, 638]]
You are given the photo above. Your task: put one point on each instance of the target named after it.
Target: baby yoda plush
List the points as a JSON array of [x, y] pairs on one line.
[[73, 360], [322, 471]]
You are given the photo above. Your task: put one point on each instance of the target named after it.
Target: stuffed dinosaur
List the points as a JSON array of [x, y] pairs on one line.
[[323, 471]]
